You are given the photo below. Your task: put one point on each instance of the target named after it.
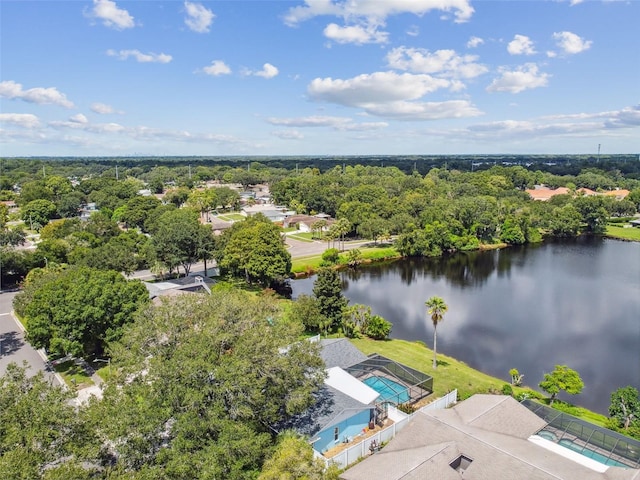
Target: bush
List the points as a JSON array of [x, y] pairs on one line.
[[378, 328], [330, 257], [507, 390]]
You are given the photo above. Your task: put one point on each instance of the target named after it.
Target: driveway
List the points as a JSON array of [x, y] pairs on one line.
[[13, 346]]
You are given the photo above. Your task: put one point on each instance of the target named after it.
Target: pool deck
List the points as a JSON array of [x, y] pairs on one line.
[[357, 439]]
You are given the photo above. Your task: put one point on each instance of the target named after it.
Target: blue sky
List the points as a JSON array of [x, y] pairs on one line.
[[355, 77]]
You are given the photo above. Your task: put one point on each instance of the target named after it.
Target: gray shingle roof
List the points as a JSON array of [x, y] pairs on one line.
[[331, 406], [433, 439], [340, 352]]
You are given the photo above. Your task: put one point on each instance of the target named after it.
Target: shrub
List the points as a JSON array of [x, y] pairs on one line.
[[330, 256], [507, 390], [378, 328]]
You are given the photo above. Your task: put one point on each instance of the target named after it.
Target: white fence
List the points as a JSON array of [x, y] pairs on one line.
[[359, 450]]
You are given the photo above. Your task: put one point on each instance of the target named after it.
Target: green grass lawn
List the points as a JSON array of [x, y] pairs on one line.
[[629, 233], [452, 373], [73, 375], [302, 236], [231, 217], [312, 263]]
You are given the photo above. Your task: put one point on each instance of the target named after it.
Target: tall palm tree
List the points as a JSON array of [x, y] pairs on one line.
[[436, 308]]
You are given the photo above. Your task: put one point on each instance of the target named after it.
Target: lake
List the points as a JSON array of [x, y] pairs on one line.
[[573, 302]]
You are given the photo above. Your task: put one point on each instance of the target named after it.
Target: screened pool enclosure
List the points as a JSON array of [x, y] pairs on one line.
[[597, 443], [396, 383]]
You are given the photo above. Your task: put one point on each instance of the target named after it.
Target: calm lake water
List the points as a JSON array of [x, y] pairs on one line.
[[574, 303]]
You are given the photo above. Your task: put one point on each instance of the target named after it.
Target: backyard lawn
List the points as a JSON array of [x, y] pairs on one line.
[[625, 233]]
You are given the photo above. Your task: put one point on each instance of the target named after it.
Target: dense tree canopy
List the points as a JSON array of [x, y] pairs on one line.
[[78, 310], [254, 250], [201, 380]]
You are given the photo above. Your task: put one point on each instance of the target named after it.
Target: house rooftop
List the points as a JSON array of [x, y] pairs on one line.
[[484, 437], [340, 352]]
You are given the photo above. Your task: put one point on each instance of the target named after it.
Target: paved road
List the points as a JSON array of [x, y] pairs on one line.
[[13, 346]]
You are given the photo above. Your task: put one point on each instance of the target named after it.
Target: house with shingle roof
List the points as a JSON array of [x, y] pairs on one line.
[[345, 404], [488, 437]]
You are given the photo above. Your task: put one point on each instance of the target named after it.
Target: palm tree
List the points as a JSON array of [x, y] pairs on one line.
[[436, 308]]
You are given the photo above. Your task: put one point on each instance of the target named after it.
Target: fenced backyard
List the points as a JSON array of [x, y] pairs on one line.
[[361, 449]]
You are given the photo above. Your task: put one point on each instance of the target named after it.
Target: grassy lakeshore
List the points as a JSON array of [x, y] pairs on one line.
[[623, 233], [452, 373], [308, 265]]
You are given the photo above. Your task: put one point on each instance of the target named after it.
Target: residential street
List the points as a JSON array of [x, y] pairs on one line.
[[13, 347]]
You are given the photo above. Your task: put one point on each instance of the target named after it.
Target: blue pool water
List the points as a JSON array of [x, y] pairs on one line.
[[389, 390], [590, 453]]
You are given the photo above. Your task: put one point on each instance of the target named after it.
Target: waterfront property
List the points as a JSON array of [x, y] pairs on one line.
[[356, 396], [484, 437]]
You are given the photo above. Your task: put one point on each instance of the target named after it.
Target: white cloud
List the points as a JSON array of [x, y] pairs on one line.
[[575, 2], [521, 45], [336, 123], [288, 134], [13, 90], [199, 18], [102, 108], [376, 11], [413, 31], [570, 43], [217, 68], [140, 57], [312, 121], [474, 42], [268, 71], [389, 94], [25, 120], [111, 15], [402, 110], [445, 62], [522, 78], [357, 34], [378, 87], [78, 118]]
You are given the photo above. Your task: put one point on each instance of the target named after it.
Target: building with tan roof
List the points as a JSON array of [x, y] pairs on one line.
[[488, 437]]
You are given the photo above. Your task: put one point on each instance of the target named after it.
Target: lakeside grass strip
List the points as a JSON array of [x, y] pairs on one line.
[[452, 373], [624, 233]]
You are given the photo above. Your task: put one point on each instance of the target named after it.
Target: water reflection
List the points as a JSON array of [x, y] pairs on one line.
[[532, 307]]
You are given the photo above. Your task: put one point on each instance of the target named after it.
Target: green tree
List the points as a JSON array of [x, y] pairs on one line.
[[561, 379], [565, 221], [327, 288], [354, 257], [306, 310], [293, 460], [177, 239], [38, 426], [436, 308], [38, 213], [218, 371], [625, 407], [378, 328], [78, 310], [254, 249]]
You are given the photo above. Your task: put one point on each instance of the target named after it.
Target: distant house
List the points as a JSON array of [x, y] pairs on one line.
[[355, 396], [87, 210], [544, 193], [494, 437], [178, 286], [305, 223]]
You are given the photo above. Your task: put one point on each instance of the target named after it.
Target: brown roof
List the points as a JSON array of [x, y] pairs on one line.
[[491, 431]]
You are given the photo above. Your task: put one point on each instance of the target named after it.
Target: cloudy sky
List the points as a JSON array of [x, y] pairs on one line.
[[309, 77]]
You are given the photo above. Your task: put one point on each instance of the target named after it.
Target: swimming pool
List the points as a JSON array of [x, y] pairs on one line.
[[388, 389], [587, 452]]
